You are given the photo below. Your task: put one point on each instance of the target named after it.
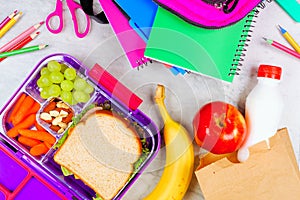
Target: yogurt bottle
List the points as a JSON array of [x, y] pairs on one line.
[[264, 106]]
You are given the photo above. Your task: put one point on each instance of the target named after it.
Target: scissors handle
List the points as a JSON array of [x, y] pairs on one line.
[[58, 12], [73, 7]]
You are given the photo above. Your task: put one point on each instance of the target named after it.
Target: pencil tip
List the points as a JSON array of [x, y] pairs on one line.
[[37, 32], [265, 38], [42, 22], [281, 29]]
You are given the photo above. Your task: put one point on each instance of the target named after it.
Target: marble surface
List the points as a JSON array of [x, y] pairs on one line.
[[185, 94]]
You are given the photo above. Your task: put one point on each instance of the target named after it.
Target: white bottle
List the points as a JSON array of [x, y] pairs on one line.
[[264, 106]]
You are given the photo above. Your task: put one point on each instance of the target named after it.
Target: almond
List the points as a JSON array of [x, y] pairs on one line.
[[56, 121], [54, 113], [46, 117], [62, 125], [50, 106], [68, 118], [54, 128]]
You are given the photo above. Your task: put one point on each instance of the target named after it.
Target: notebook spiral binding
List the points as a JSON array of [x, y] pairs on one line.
[[245, 39], [143, 62]]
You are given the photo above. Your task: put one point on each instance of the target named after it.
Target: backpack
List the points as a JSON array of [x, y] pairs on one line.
[[209, 13]]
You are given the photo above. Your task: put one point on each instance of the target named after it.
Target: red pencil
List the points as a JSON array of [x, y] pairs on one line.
[[22, 43]]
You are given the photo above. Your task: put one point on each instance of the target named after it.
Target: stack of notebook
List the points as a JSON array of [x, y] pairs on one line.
[[147, 32]]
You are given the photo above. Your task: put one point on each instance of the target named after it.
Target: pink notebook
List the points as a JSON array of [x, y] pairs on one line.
[[133, 45]]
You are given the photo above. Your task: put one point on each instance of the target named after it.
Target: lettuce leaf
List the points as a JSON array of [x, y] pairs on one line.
[[65, 171]]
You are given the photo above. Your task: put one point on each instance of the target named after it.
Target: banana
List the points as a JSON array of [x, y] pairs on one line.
[[179, 166]]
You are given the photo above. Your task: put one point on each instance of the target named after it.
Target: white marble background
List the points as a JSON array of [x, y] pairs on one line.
[[185, 94]]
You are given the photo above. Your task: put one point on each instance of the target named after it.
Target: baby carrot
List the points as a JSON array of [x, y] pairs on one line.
[[34, 109], [38, 135], [23, 110], [38, 127], [26, 123], [28, 141], [38, 150], [48, 145], [16, 107]]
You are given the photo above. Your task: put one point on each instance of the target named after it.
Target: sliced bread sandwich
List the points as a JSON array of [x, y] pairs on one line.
[[101, 150]]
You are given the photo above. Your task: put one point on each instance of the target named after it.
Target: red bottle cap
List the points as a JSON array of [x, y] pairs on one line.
[[269, 71]]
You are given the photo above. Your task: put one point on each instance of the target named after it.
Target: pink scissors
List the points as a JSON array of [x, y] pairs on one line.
[[58, 12]]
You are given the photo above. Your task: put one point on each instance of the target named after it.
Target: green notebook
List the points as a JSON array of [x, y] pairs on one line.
[[213, 52]]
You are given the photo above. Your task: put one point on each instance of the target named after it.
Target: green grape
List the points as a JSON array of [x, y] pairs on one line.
[[54, 90], [66, 85], [80, 84], [88, 89], [74, 102], [70, 74], [81, 96], [44, 93], [56, 77], [54, 66], [45, 71], [66, 96], [44, 81], [63, 68]]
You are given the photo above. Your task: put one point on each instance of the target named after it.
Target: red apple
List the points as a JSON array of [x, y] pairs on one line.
[[219, 127]]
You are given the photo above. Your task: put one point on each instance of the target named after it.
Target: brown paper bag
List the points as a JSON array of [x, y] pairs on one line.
[[268, 174]]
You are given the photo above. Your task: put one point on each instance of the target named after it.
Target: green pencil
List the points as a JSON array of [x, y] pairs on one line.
[[23, 50]]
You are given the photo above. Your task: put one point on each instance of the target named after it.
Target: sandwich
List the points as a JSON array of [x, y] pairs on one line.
[[101, 150]]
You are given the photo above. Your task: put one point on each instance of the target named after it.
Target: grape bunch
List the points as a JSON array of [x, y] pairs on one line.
[[59, 80]]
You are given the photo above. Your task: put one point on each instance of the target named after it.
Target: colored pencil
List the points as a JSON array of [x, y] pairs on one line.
[[7, 19], [22, 43], [23, 50], [10, 24], [290, 39], [20, 37], [282, 47]]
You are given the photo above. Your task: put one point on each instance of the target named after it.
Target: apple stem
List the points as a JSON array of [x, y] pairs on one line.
[[159, 99]]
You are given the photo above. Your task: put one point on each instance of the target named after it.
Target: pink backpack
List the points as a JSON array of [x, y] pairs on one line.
[[210, 13]]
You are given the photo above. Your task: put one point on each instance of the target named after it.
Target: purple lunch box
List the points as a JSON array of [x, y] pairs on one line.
[[24, 177]]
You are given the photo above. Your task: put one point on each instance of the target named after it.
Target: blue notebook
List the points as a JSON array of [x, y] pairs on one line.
[[141, 15]]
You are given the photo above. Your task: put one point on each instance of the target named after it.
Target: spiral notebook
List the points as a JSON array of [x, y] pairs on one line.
[[212, 52], [132, 44]]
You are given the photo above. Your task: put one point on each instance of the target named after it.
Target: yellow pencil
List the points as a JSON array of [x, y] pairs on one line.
[[289, 38], [10, 24]]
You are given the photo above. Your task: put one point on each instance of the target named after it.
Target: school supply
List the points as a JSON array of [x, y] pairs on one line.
[[20, 37], [58, 12], [132, 44], [282, 47], [22, 43], [215, 53], [291, 7], [7, 19], [141, 15], [141, 20], [23, 50], [10, 24], [209, 13], [289, 38]]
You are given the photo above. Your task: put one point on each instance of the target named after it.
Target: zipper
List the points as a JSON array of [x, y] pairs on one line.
[[227, 6]]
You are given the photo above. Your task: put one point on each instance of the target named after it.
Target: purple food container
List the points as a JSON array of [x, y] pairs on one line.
[[23, 176]]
